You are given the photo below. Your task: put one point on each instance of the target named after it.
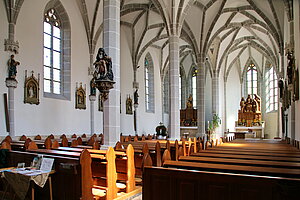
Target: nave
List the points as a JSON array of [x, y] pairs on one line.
[[146, 168]]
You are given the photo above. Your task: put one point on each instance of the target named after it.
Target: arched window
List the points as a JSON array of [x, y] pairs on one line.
[[194, 86], [57, 51], [52, 52], [271, 90], [166, 92], [251, 80], [149, 84]]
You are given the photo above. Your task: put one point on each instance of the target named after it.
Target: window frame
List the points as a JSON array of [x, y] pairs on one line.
[[271, 90], [149, 84], [65, 49], [250, 71], [54, 22]]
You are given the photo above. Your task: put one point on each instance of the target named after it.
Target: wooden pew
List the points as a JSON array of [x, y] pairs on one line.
[[124, 163], [169, 184], [237, 169], [250, 157], [244, 162], [88, 192]]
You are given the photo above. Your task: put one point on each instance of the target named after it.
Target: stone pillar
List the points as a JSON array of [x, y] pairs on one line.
[[225, 107], [135, 120], [111, 43], [215, 93], [92, 111], [174, 117], [11, 84], [201, 99]]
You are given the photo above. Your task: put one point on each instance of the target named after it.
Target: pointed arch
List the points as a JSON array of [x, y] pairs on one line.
[[57, 52], [149, 84]]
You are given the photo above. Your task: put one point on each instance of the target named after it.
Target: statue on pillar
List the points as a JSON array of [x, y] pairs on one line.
[[93, 87], [103, 66], [12, 67], [136, 97]]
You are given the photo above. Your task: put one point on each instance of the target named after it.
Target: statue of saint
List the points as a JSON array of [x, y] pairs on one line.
[[242, 104], [103, 66], [136, 97], [248, 104], [12, 67], [258, 100], [290, 67], [189, 102], [93, 87]]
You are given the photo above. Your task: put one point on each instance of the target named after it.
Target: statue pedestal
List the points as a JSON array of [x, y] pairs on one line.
[[11, 84]]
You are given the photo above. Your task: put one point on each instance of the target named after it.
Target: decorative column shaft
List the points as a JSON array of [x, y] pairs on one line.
[[111, 43], [92, 111], [11, 84], [215, 93], [201, 99], [174, 117]]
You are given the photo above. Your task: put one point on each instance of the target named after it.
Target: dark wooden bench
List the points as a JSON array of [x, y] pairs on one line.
[[169, 184], [244, 162], [249, 157]]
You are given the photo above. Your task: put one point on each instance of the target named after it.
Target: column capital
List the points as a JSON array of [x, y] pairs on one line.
[[11, 83]]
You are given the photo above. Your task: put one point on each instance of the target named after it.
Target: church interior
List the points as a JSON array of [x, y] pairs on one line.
[[217, 82]]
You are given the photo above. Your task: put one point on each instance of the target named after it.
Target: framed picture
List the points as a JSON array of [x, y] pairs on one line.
[[129, 106], [100, 103], [31, 89], [80, 97]]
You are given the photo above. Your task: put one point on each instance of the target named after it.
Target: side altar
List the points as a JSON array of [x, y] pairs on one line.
[[249, 117], [188, 119]]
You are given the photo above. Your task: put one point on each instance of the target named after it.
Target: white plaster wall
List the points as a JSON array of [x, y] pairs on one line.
[[147, 121], [271, 125], [233, 97], [127, 87], [51, 115]]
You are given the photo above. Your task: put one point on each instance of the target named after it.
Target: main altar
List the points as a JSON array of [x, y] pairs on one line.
[[249, 117]]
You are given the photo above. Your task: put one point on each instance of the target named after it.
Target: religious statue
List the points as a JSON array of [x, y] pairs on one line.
[[12, 67], [248, 106], [129, 106], [136, 97], [93, 87], [242, 104], [258, 100], [281, 88], [254, 106], [103, 66], [290, 67], [189, 102]]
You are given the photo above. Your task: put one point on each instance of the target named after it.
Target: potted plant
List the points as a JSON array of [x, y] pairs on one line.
[[215, 123]]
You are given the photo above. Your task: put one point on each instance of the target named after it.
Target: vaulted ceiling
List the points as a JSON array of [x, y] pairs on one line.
[[227, 33]]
